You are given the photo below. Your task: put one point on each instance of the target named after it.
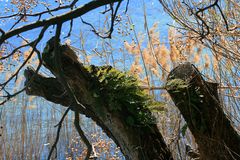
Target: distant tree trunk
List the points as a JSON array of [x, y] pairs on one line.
[[136, 142], [199, 103]]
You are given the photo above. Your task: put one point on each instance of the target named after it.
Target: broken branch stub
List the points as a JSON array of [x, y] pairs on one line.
[[199, 103]]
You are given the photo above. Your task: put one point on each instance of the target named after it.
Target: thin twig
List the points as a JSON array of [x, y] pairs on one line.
[[16, 49], [9, 96], [41, 13], [108, 34], [59, 125], [19, 20], [82, 135], [70, 29], [223, 16], [30, 55], [126, 9], [57, 19]]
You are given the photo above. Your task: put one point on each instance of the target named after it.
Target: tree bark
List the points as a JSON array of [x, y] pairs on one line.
[[199, 103], [136, 142]]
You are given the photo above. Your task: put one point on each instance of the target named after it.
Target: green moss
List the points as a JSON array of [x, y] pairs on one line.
[[122, 93], [176, 84]]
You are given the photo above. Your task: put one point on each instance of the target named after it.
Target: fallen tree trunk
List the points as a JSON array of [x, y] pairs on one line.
[[199, 103], [109, 97]]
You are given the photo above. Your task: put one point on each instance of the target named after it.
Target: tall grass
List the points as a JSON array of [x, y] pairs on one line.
[[28, 132]]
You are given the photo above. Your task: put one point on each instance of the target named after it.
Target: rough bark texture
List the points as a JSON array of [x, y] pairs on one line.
[[200, 106], [136, 141]]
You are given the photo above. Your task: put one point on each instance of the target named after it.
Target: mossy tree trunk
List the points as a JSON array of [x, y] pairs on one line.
[[199, 103], [136, 140]]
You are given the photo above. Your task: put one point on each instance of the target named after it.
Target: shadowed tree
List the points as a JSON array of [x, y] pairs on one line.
[[199, 103], [109, 97]]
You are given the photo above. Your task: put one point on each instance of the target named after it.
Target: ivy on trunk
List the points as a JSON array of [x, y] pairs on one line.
[[111, 98]]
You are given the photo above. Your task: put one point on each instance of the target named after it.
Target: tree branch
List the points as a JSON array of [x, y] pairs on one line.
[[30, 55], [82, 135], [59, 125], [108, 34], [58, 19]]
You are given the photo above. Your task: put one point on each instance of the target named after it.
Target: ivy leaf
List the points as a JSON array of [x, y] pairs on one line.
[[95, 95], [176, 84], [184, 129], [157, 107]]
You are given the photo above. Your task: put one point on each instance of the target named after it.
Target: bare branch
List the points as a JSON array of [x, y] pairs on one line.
[[208, 7], [34, 49], [19, 20], [70, 29], [127, 6], [59, 125], [16, 49], [30, 55], [208, 28], [113, 17], [2, 31], [223, 16], [41, 13], [27, 83], [82, 135], [58, 19]]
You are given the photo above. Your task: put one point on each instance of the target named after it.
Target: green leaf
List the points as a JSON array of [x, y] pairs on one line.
[[157, 107], [184, 129], [132, 27], [95, 95], [176, 84]]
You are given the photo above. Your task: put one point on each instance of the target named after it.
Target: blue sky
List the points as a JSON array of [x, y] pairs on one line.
[[135, 11]]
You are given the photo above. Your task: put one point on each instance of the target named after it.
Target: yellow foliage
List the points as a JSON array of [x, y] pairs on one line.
[[1, 67], [16, 56], [131, 48], [207, 61], [196, 58]]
